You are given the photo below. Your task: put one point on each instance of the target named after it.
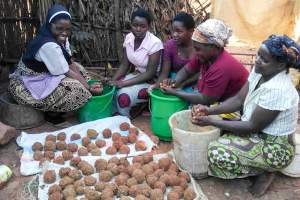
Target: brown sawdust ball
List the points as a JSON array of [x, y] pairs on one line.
[[148, 169], [92, 134], [125, 198], [132, 138], [144, 189], [183, 183], [38, 155], [56, 196], [122, 190], [111, 150], [155, 165], [113, 187], [148, 157], [124, 126], [124, 161], [106, 133], [49, 155], [75, 136], [69, 191], [155, 139], [124, 149], [51, 138], [65, 181], [158, 173], [54, 188], [164, 163], [91, 146], [141, 197], [107, 194], [85, 141], [37, 146], [173, 167], [133, 167], [100, 143], [133, 190], [105, 176], [151, 180], [174, 181], [140, 146], [92, 194], [82, 151], [121, 180], [173, 195], [100, 186], [75, 174], [113, 168], [156, 194], [133, 130], [64, 171], [67, 155], [100, 164], [96, 152], [131, 181], [165, 178], [138, 159], [139, 175], [49, 176], [79, 190], [50, 146], [179, 190], [82, 163], [61, 136], [59, 160], [115, 160], [72, 147], [185, 175], [189, 194], [78, 183], [89, 180], [117, 144], [75, 161], [116, 136], [171, 172], [160, 185], [124, 139], [122, 169], [61, 145], [86, 168]]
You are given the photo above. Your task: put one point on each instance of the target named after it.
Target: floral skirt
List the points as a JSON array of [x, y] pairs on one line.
[[233, 156], [70, 94]]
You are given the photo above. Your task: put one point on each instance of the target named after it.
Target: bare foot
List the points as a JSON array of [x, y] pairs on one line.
[[261, 184]]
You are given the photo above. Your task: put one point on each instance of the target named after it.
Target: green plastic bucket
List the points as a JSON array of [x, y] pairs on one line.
[[98, 107], [162, 106]]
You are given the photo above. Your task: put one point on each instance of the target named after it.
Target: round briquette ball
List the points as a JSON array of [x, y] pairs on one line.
[[100, 186], [69, 192], [121, 179], [124, 139], [92, 194], [151, 180], [61, 136], [85, 141], [56, 196], [140, 146], [105, 176], [100, 143], [64, 171], [100, 164], [54, 188], [131, 181], [148, 157], [72, 147], [156, 194], [49, 155], [140, 197], [75, 136], [51, 138], [133, 130], [122, 190], [67, 155], [185, 175], [75, 174], [117, 144], [115, 160], [116, 136], [111, 150], [124, 149], [96, 152], [91, 146], [49, 176], [138, 159], [173, 195], [139, 175], [50, 146], [89, 180], [132, 138], [59, 160], [65, 181], [148, 169], [82, 151], [179, 190], [37, 146], [106, 133], [38, 156], [124, 126], [75, 161], [124, 161], [92, 134], [86, 168], [61, 145], [160, 185], [164, 163], [189, 194]]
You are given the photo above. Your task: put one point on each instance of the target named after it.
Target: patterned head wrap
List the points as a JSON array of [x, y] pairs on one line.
[[283, 49], [212, 31]]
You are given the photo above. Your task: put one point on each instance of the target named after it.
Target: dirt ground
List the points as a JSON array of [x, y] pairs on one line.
[[283, 188]]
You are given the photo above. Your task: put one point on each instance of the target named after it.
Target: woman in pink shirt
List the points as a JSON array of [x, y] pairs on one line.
[[142, 51]]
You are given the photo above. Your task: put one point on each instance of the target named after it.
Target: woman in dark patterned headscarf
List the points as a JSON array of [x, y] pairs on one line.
[[260, 143]]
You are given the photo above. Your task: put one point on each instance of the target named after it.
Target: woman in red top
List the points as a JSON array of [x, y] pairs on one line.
[[221, 75]]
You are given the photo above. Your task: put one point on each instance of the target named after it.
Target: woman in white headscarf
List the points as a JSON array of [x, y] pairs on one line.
[[221, 75]]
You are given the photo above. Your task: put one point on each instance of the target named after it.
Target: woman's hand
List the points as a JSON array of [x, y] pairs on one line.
[[152, 87], [201, 120], [168, 83], [169, 90], [96, 88], [199, 110], [119, 84]]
